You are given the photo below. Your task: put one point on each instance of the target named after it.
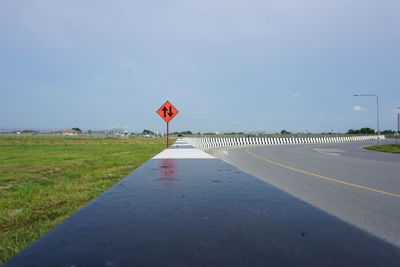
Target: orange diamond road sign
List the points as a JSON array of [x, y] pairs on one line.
[[167, 111]]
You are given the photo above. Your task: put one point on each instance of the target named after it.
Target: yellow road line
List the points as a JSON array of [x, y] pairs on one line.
[[323, 177]]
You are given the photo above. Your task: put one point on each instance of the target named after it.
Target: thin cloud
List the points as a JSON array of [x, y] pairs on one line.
[[296, 94], [358, 108]]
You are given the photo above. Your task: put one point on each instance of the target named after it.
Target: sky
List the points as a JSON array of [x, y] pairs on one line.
[[225, 65]]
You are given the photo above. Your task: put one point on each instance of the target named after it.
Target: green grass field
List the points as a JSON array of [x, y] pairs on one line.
[[43, 180], [392, 148]]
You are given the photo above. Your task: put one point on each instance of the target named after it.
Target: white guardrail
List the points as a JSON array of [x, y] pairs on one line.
[[208, 142]]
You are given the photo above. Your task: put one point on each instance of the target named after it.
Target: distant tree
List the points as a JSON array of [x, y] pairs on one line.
[[147, 132], [89, 131], [285, 132], [77, 129], [387, 132], [367, 131], [30, 131], [231, 133], [186, 132]]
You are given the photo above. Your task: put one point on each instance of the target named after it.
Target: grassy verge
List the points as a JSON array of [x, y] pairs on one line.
[[55, 140], [392, 148], [44, 180]]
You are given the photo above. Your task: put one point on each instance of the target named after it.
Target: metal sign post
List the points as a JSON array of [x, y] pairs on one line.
[[167, 134], [167, 111]]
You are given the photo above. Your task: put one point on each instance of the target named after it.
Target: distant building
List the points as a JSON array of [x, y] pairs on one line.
[[69, 132]]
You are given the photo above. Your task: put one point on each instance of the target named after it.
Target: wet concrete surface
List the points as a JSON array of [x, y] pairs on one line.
[[203, 212]]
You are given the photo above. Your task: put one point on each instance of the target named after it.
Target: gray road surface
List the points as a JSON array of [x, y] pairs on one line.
[[358, 186]]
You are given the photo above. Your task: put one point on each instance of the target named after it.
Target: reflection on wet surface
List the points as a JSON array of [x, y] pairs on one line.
[[168, 172]]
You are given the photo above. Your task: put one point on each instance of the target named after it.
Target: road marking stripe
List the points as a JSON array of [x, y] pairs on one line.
[[324, 177], [333, 154]]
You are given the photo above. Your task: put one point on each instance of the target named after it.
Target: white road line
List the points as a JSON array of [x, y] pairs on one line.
[[329, 151], [332, 154]]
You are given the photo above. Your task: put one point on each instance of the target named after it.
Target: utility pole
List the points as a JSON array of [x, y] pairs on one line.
[[398, 124]]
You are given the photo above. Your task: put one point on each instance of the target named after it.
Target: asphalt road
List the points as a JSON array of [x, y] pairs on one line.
[[358, 186]]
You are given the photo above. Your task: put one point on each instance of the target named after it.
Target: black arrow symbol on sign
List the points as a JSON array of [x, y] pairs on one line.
[[165, 112], [170, 111]]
